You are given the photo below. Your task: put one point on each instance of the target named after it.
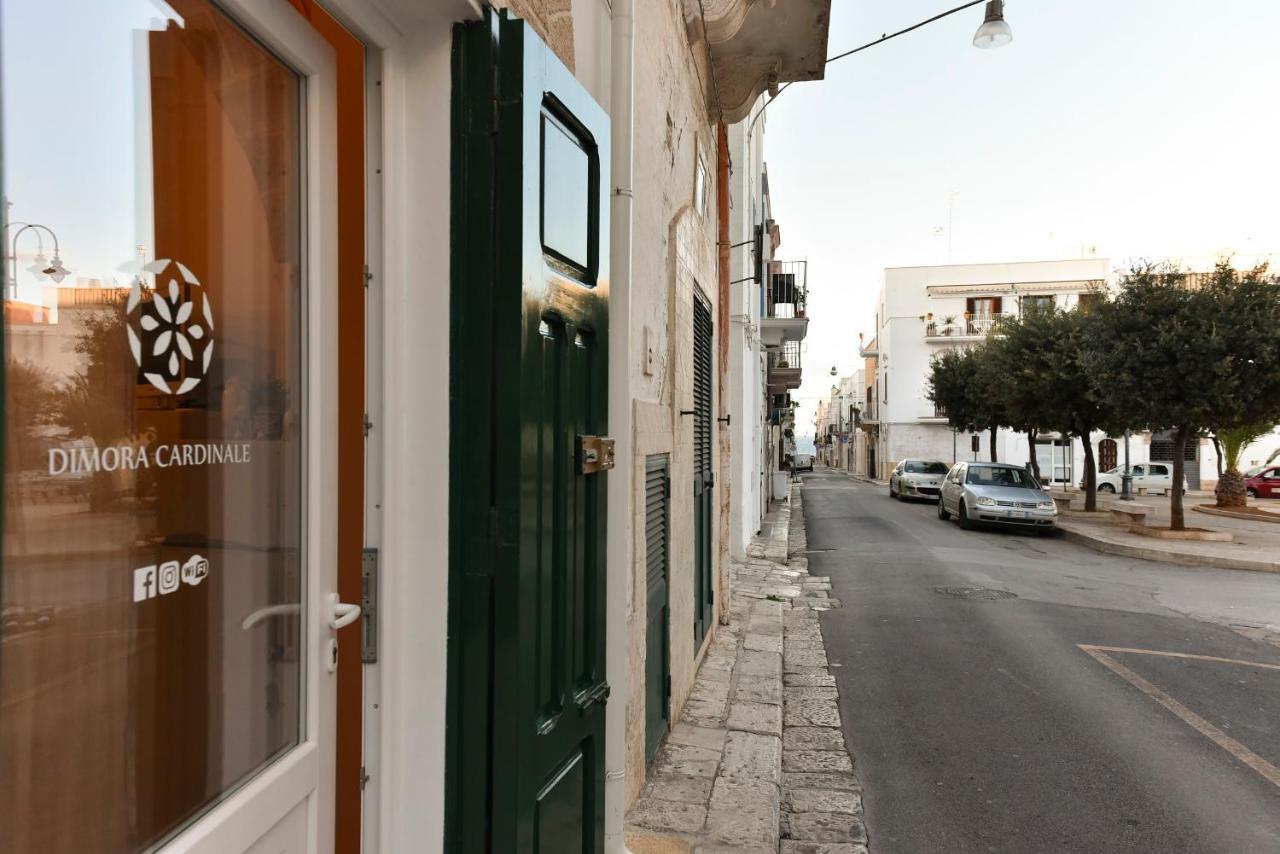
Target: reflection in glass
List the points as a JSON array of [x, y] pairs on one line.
[[566, 184], [152, 453]]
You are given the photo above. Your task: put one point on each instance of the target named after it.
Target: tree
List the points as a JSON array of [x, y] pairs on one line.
[[1232, 490], [1174, 354], [962, 385], [1047, 383]]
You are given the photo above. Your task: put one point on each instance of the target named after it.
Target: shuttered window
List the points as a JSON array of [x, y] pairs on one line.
[[703, 478], [657, 537]]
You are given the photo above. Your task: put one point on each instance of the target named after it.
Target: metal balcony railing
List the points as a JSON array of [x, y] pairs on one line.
[[786, 357], [786, 289], [974, 325]]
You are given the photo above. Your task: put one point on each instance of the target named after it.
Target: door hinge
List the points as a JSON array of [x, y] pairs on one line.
[[364, 777], [368, 277], [711, 480], [666, 487], [667, 687], [369, 606], [368, 424]]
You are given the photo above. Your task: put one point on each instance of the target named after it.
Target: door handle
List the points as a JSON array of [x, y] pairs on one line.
[[341, 614], [598, 693]]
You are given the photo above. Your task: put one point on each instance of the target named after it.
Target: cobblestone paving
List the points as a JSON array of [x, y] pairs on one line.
[[757, 762]]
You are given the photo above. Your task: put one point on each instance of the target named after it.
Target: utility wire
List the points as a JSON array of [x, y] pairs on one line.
[[881, 40]]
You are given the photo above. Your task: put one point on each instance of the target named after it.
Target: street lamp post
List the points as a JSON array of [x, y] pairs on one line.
[[1126, 479], [54, 269]]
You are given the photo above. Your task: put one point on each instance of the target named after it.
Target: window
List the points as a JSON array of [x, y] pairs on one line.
[[1000, 476], [925, 467], [1159, 471], [1036, 302], [700, 186], [568, 200], [153, 475]]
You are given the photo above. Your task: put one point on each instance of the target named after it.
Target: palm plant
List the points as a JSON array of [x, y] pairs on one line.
[[1230, 491]]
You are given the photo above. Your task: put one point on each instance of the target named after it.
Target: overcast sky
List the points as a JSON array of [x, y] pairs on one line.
[[1144, 128]]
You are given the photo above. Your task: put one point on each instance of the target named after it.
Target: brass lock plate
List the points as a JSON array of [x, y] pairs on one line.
[[595, 453]]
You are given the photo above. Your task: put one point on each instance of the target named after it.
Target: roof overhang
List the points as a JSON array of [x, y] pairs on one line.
[[1013, 288], [757, 44]]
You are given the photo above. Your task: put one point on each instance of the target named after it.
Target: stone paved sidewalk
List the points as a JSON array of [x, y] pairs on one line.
[[757, 762]]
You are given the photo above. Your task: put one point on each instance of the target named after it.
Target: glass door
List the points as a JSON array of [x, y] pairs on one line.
[[163, 623]]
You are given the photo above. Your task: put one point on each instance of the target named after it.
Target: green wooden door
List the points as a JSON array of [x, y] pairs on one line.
[[703, 476], [657, 538], [529, 366]]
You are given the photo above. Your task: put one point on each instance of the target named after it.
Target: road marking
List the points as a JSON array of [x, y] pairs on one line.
[[1264, 768], [1088, 646]]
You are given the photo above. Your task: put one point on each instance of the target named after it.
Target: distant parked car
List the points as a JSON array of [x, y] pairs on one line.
[[1153, 477], [917, 479], [999, 493], [802, 462], [1265, 483]]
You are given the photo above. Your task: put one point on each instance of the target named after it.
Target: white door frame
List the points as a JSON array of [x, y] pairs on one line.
[[303, 778]]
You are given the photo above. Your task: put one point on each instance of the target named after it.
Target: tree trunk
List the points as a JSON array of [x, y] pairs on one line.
[[1232, 490], [1217, 450], [994, 431], [1032, 462], [1177, 522], [1090, 473]]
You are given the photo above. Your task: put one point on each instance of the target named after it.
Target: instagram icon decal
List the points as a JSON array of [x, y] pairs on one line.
[[165, 578]]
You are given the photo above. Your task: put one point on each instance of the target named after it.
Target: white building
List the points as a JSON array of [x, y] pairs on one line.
[[921, 311]]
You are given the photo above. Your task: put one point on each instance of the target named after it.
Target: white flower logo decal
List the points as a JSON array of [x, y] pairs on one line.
[[172, 331]]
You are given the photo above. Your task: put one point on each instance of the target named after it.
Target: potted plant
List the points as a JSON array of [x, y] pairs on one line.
[[948, 324]]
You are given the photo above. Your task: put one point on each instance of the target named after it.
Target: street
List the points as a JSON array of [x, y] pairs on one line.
[[1108, 705]]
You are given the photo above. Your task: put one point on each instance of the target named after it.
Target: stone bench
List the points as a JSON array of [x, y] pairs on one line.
[[1131, 514], [1063, 502]]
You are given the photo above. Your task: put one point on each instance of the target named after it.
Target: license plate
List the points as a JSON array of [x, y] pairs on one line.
[[1021, 514]]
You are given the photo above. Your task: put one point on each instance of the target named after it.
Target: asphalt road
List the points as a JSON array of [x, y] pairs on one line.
[[982, 724]]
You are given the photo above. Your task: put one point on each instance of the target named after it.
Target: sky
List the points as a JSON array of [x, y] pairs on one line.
[[1133, 129]]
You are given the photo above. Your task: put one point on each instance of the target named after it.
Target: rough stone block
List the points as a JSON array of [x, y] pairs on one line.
[[816, 760], [697, 736], [751, 756], [759, 689], [764, 718], [811, 713], [762, 642], [668, 787], [811, 692], [668, 815], [708, 713], [823, 800], [842, 780], [684, 761], [808, 680], [812, 738], [822, 827], [743, 812], [754, 663], [791, 846]]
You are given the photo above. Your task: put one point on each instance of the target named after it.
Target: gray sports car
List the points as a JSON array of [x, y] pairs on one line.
[[999, 493]]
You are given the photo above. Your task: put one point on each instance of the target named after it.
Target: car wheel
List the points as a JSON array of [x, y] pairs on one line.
[[892, 494], [1251, 492], [1106, 487], [942, 511], [963, 517]]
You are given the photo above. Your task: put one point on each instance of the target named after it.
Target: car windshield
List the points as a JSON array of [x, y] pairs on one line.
[[1254, 471], [925, 467], [1000, 476]]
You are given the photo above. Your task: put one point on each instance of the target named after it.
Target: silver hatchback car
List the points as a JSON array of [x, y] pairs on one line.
[[999, 493]]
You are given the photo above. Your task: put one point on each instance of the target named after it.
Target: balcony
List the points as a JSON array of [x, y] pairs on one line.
[[786, 290], [966, 328], [784, 368]]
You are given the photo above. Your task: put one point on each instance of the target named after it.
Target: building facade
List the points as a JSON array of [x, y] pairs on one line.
[[367, 465]]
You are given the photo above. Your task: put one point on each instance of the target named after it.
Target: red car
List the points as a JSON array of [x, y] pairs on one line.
[[1264, 483]]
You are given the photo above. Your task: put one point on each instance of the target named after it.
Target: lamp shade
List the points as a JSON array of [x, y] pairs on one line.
[[995, 31]]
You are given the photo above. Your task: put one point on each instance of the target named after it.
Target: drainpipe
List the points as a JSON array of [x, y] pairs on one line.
[[724, 481], [618, 547]]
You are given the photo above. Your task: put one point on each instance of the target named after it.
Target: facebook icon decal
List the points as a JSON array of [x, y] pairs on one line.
[[144, 583]]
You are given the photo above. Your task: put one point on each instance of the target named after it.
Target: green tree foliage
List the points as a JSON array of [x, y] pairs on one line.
[[1174, 354], [962, 384], [1041, 355]]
